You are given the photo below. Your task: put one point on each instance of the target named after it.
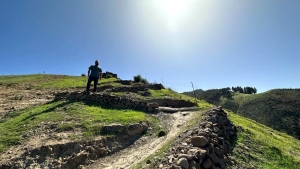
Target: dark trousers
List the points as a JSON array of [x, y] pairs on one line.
[[95, 79]]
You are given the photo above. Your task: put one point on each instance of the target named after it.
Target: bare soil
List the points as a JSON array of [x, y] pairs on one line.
[[19, 98]]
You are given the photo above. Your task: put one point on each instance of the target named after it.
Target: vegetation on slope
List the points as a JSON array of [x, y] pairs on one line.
[[279, 109], [64, 115], [84, 118], [44, 81], [167, 93], [259, 146]]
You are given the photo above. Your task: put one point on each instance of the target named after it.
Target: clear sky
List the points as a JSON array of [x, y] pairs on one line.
[[213, 43]]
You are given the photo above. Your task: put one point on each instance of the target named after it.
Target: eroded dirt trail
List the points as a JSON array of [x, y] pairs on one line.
[[146, 146]]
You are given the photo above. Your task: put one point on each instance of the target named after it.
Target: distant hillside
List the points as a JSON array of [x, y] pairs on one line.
[[191, 93], [279, 109], [212, 96]]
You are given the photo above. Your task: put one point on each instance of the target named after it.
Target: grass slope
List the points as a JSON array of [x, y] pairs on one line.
[[64, 115], [259, 146], [279, 109], [44, 81]]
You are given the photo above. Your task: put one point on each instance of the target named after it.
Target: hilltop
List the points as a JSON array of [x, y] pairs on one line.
[[44, 114], [49, 121]]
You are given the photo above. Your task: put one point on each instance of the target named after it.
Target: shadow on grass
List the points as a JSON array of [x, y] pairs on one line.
[[49, 109]]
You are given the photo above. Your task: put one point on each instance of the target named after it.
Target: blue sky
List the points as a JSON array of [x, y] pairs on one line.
[[212, 43]]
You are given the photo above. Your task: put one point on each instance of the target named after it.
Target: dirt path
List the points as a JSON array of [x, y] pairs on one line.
[[144, 147]]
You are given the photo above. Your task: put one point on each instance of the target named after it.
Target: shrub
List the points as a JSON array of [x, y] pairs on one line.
[[145, 81], [137, 78], [161, 133], [109, 76], [83, 74]]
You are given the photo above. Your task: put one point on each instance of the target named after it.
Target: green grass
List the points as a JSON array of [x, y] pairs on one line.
[[166, 93], [268, 148], [43, 81], [67, 116], [278, 109], [14, 79]]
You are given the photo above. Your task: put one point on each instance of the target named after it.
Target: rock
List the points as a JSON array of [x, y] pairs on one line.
[[153, 105], [114, 129], [78, 159], [181, 156], [193, 165], [102, 152], [218, 151], [136, 128], [207, 163], [198, 154], [81, 167], [199, 141], [183, 162], [90, 149], [213, 157]]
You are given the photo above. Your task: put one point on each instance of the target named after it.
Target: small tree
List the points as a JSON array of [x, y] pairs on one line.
[[145, 81], [137, 78], [83, 74]]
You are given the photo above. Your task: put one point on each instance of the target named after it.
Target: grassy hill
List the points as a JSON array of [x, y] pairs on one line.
[[83, 119], [259, 146], [44, 81], [278, 109]]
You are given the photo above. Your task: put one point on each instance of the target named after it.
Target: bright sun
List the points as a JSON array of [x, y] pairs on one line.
[[173, 7]]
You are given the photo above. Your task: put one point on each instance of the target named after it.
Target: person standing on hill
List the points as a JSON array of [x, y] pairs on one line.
[[94, 73]]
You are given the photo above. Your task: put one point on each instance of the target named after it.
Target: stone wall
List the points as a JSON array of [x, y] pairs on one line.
[[173, 103], [205, 146], [136, 89], [150, 106], [109, 75]]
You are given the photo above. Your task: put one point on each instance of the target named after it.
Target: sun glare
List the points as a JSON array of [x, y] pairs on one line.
[[173, 7]]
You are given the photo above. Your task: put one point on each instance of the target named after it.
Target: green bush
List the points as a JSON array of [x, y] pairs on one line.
[[145, 81], [108, 76], [137, 78], [161, 133], [83, 74]]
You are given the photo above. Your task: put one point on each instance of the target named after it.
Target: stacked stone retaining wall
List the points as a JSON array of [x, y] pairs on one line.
[[205, 146], [150, 106]]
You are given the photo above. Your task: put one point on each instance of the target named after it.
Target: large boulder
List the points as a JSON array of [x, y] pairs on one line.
[[136, 128], [117, 129], [199, 141]]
